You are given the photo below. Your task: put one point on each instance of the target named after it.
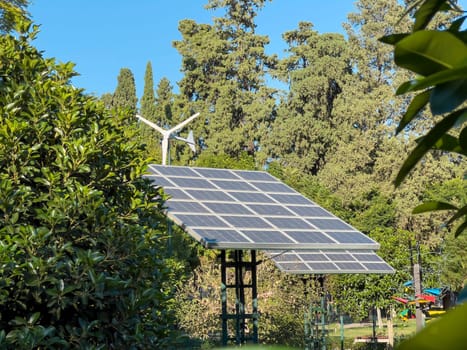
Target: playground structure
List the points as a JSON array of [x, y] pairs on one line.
[[432, 301]]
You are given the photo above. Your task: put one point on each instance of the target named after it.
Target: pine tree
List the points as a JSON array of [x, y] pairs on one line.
[[305, 130], [225, 66]]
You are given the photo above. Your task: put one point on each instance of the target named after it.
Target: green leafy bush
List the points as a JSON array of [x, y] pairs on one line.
[[80, 229]]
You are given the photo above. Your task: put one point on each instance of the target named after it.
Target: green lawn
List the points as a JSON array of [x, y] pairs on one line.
[[401, 328]]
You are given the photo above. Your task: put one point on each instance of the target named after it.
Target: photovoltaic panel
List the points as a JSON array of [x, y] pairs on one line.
[[187, 207], [186, 182], [228, 208], [233, 185], [329, 262], [240, 209]]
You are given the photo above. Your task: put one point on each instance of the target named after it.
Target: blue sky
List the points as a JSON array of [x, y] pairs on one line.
[[103, 36]]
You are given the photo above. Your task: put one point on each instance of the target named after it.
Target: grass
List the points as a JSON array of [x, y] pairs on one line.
[[401, 329]]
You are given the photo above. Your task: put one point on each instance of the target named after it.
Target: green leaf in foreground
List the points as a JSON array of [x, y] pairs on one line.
[[427, 52], [441, 77], [448, 96], [417, 104], [461, 228], [449, 143], [448, 332], [432, 206], [426, 12], [427, 143]]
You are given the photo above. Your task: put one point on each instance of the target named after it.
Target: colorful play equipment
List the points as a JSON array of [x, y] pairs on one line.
[[433, 301]]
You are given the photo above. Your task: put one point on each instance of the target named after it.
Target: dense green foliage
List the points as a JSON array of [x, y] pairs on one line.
[[81, 232], [10, 12]]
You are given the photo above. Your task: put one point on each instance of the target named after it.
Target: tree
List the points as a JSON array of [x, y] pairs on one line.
[[225, 66], [12, 11], [148, 136], [81, 230], [304, 132], [125, 93], [164, 104], [148, 100], [365, 108]]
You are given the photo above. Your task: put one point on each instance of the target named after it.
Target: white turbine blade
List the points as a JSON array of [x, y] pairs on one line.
[[182, 124], [191, 141], [152, 125]]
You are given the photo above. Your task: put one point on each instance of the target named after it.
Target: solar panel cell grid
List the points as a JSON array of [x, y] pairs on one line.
[[267, 236], [309, 211], [330, 224], [289, 223], [330, 261], [216, 173], [233, 185], [273, 187], [255, 175], [264, 209], [241, 200], [192, 183], [214, 236], [201, 220], [246, 222], [311, 237], [228, 208], [187, 207]]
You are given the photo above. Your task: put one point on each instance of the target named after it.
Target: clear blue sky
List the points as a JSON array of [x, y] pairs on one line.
[[103, 36]]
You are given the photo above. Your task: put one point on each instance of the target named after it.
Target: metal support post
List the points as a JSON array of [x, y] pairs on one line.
[[225, 335], [240, 317]]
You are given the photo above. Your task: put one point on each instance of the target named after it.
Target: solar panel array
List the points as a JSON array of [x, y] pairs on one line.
[[239, 209], [329, 261]]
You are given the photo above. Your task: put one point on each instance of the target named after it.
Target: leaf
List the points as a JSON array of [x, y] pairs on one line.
[[432, 206], [448, 96], [406, 86], [34, 317], [434, 79], [428, 142], [457, 24], [463, 139], [417, 104], [460, 229], [461, 212], [427, 52], [409, 10], [393, 39], [426, 12], [448, 332], [449, 143]]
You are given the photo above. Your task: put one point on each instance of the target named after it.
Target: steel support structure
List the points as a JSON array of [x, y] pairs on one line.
[[233, 275]]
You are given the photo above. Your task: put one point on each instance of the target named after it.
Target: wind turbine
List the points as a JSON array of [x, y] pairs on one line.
[[167, 134]]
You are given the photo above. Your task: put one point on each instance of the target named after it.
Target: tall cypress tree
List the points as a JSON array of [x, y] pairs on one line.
[[148, 100], [164, 103], [125, 93]]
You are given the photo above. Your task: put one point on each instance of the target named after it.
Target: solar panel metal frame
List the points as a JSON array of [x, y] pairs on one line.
[[326, 262], [172, 176]]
